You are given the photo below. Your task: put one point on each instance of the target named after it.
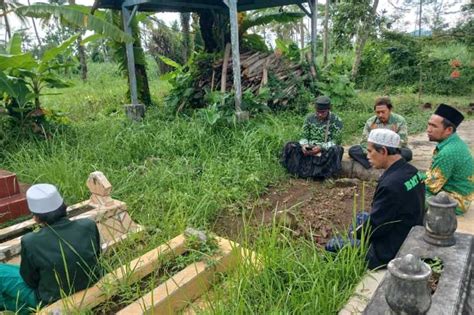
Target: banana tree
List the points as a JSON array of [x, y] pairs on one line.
[[23, 77]]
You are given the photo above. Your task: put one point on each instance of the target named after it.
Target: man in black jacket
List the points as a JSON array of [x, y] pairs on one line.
[[399, 198]]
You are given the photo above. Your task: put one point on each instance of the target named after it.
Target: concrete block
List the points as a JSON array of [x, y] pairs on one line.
[[135, 112], [242, 116]]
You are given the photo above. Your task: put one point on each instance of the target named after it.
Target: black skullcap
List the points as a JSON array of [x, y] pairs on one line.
[[450, 113], [323, 102]]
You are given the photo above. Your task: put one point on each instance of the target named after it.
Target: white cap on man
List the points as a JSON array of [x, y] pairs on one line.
[[385, 137], [43, 198]]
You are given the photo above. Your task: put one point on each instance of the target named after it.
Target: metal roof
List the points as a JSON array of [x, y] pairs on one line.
[[189, 6]]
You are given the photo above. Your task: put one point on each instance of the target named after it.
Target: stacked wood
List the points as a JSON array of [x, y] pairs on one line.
[[256, 67]]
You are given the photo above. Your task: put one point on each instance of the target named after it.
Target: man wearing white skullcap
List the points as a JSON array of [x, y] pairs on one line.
[[398, 202], [59, 258]]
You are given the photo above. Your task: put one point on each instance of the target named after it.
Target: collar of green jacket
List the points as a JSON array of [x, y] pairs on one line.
[[452, 138]]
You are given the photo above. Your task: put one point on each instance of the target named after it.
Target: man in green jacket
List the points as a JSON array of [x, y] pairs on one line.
[[452, 165], [57, 260], [384, 118], [319, 153]]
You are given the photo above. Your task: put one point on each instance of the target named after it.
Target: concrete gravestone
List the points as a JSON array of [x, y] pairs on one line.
[[12, 198]]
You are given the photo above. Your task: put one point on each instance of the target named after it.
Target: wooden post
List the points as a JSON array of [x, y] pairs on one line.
[[134, 111], [234, 34]]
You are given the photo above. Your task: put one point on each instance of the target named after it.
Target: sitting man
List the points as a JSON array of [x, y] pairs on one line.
[[383, 118], [318, 155], [452, 165], [57, 260], [398, 202]]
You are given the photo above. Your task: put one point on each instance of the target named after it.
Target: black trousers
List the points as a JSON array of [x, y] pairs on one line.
[[357, 153], [372, 259], [307, 166]]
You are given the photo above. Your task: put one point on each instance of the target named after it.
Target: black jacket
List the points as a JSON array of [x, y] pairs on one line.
[[398, 205], [60, 259]]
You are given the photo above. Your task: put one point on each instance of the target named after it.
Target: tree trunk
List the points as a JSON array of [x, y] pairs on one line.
[[326, 33], [81, 51], [302, 39], [363, 34], [214, 30], [419, 18], [314, 29], [82, 58], [143, 87], [35, 28], [8, 32], [185, 19]]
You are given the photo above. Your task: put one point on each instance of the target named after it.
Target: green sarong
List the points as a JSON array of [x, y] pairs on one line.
[[15, 294]]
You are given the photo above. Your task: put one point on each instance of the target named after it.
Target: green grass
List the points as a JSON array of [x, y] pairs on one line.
[[175, 172]]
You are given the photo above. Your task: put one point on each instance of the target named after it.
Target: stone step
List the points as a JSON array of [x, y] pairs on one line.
[[13, 207], [9, 185]]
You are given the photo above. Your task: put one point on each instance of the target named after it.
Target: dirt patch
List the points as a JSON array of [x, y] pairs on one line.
[[312, 209]]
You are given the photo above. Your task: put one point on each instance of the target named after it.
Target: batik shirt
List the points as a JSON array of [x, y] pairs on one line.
[[395, 123], [452, 171], [314, 131]]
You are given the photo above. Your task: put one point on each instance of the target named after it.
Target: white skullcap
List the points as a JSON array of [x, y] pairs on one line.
[[43, 198], [385, 137]]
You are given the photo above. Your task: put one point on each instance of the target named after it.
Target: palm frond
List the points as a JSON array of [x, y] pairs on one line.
[[283, 17], [78, 16]]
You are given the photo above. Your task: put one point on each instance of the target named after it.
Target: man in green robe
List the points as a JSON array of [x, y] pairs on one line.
[[319, 153], [57, 260], [452, 164], [384, 118]]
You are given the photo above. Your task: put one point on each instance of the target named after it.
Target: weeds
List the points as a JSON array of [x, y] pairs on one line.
[[178, 171]]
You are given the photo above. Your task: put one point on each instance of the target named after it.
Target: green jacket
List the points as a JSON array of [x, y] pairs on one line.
[[61, 259], [452, 170], [395, 123], [314, 131]]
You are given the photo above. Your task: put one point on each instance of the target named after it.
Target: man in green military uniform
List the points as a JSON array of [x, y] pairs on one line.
[[452, 164], [319, 153], [386, 119], [57, 260]]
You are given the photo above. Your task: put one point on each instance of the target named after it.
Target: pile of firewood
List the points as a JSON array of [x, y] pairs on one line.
[[255, 69]]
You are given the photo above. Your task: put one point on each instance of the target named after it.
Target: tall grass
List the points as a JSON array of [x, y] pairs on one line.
[[179, 171], [291, 277]]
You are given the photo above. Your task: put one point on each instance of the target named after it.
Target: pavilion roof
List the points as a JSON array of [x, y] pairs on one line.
[[195, 5]]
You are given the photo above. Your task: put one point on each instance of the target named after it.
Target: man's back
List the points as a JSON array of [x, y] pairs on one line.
[[398, 205], [61, 259]]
